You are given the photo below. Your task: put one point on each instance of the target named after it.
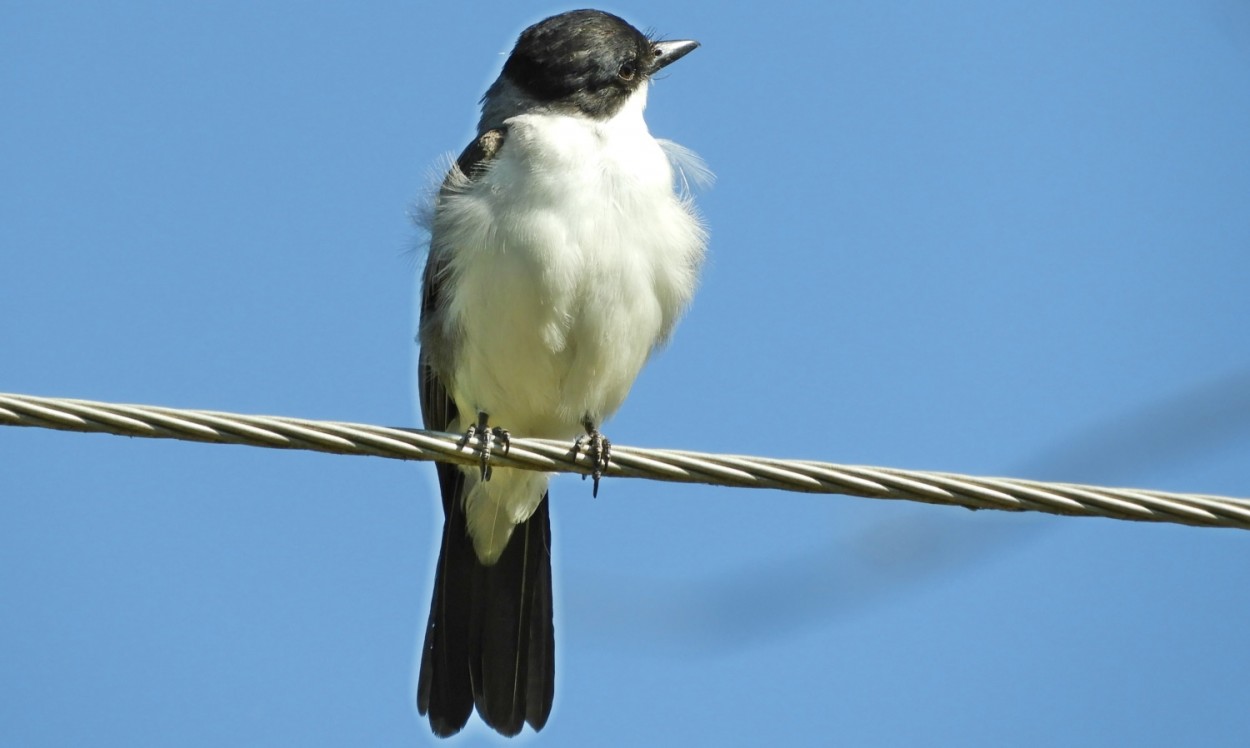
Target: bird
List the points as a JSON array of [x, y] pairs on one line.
[[562, 251]]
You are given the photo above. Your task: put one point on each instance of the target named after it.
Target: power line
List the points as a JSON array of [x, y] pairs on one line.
[[1007, 494]]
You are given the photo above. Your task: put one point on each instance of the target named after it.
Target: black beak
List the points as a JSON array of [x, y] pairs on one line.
[[666, 53]]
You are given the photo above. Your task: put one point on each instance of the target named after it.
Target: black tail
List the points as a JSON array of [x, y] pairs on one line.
[[490, 640]]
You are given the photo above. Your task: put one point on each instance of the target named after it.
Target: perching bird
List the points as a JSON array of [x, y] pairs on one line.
[[561, 255]]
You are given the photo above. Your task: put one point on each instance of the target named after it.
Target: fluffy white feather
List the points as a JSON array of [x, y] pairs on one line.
[[574, 257]]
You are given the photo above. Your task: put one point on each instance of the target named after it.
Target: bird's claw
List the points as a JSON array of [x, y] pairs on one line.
[[598, 449], [486, 437]]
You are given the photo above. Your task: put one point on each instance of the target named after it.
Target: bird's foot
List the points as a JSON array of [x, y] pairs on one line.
[[599, 449], [486, 437]]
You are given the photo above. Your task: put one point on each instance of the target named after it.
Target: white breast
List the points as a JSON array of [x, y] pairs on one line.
[[570, 260], [573, 258]]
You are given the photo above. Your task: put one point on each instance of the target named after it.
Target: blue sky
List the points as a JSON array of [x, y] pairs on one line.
[[986, 237]]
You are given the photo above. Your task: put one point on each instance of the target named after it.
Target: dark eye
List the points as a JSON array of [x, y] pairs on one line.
[[627, 71]]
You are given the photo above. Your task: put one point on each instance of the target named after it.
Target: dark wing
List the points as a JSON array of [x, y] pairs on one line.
[[490, 638], [437, 409]]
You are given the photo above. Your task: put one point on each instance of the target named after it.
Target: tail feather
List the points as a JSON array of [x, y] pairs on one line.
[[490, 638]]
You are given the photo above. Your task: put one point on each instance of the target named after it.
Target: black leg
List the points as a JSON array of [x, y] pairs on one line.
[[487, 436], [598, 448]]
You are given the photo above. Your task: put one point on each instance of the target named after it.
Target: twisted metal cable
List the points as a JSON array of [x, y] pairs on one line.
[[1008, 494]]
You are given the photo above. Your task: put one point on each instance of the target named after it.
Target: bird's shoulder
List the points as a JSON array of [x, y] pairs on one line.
[[474, 159]]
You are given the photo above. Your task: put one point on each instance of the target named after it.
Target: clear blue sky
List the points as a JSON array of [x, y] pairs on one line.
[[987, 237]]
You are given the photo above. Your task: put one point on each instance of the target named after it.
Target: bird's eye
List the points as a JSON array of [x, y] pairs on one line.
[[627, 71]]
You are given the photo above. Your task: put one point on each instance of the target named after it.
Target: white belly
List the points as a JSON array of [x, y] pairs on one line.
[[569, 269], [569, 261]]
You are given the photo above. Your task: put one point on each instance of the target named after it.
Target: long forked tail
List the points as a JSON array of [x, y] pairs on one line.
[[490, 641]]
